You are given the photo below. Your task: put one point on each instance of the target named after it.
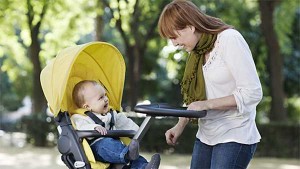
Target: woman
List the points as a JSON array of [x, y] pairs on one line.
[[220, 77]]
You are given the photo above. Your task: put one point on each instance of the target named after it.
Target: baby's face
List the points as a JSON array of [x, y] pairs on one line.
[[96, 99]]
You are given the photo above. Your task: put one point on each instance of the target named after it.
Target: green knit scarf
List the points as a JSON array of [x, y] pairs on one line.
[[193, 85]]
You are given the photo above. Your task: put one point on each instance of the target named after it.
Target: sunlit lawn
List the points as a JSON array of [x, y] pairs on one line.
[[29, 157]]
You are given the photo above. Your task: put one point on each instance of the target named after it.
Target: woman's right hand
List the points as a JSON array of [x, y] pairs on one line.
[[173, 134], [101, 130]]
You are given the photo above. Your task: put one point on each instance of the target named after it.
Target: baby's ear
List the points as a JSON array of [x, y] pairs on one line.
[[85, 106]]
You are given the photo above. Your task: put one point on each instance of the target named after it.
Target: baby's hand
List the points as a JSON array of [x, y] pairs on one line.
[[101, 130]]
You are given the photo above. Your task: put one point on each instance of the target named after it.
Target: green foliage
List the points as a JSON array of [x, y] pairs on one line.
[[9, 101], [285, 18], [263, 109], [293, 109], [70, 22], [292, 59], [63, 25], [292, 106]]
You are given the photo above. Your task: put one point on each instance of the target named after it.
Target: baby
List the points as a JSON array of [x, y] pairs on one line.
[[91, 96]]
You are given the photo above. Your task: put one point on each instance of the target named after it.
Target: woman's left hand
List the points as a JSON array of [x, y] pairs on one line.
[[198, 106]]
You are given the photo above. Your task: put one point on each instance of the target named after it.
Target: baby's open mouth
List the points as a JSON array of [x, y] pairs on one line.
[[106, 105]]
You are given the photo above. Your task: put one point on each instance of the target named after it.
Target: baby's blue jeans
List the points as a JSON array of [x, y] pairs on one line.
[[112, 150], [229, 155]]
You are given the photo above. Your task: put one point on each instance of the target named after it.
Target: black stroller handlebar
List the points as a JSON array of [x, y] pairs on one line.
[[163, 109], [110, 133]]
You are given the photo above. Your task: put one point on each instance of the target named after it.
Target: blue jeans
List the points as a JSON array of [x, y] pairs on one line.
[[110, 150], [222, 156]]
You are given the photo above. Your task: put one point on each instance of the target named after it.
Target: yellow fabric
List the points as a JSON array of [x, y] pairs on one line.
[[99, 165], [125, 140], [79, 111], [89, 153], [97, 61]]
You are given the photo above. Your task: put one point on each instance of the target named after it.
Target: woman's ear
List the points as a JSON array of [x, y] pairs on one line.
[[192, 28]]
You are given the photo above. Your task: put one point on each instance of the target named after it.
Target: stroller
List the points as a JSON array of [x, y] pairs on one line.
[[101, 62]]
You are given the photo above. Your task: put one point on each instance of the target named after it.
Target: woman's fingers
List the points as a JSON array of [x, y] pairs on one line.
[[170, 137]]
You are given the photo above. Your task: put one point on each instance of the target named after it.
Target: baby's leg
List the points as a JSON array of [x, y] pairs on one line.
[[110, 150]]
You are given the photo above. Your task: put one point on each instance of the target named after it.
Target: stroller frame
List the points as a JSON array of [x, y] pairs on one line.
[[92, 61], [69, 142]]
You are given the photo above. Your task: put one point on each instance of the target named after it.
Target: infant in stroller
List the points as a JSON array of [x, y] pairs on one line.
[[91, 96]]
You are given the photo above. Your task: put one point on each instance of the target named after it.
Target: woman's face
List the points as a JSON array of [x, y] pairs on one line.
[[187, 38]]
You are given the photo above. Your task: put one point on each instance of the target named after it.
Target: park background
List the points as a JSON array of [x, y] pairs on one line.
[[34, 31]]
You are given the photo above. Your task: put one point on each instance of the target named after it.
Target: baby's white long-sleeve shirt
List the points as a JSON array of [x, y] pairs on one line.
[[121, 122]]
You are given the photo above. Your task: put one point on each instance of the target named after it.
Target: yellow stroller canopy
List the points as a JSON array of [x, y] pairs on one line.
[[97, 61]]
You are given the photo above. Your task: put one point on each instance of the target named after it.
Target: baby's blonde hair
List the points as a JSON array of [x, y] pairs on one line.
[[78, 92]]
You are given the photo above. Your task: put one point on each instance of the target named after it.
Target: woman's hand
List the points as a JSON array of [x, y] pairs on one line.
[[101, 130], [173, 133]]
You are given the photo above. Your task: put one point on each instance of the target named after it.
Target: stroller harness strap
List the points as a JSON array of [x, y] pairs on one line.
[[99, 121]]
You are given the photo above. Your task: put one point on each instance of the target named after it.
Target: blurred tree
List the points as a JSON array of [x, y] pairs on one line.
[[275, 60], [9, 101], [136, 22], [32, 33], [35, 18], [99, 20], [292, 59]]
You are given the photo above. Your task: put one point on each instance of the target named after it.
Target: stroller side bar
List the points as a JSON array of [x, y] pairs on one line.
[[110, 133], [143, 128], [159, 109]]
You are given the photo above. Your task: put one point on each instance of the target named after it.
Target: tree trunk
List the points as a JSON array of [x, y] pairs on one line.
[[275, 60], [135, 46], [38, 100], [99, 22], [134, 70], [39, 104]]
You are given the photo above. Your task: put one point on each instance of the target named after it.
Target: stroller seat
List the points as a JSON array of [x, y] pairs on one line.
[[75, 150], [98, 61]]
